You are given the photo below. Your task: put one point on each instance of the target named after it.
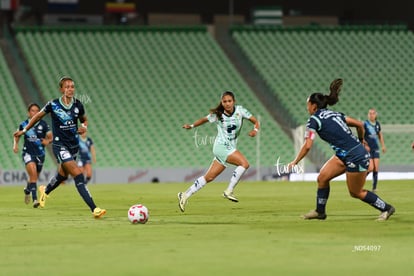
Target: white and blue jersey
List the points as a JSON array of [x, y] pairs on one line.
[[85, 145], [33, 138], [228, 130], [332, 128], [372, 137], [65, 121]]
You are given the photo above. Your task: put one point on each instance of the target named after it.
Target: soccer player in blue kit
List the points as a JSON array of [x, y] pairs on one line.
[[65, 112], [374, 138], [87, 155], [228, 118], [350, 156], [33, 153]]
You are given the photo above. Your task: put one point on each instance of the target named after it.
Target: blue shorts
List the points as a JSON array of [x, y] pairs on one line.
[[375, 153], [82, 162], [357, 160], [64, 154], [38, 160]]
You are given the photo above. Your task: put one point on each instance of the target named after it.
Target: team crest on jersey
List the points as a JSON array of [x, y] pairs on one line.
[[76, 110]]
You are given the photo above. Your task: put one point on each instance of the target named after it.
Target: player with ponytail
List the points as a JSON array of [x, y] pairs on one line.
[[350, 155]]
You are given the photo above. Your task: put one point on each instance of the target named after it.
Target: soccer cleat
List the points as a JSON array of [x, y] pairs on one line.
[[182, 201], [314, 215], [26, 196], [98, 212], [43, 196], [230, 196], [385, 215], [36, 203]]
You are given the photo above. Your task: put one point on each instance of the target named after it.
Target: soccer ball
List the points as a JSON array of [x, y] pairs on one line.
[[138, 213]]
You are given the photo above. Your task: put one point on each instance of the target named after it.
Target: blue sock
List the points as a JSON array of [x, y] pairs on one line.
[[83, 191], [55, 182], [322, 196], [376, 202], [374, 180], [33, 189], [87, 179], [27, 190]]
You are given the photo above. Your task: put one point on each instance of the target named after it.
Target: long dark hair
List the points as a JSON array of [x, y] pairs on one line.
[[322, 101], [219, 109]]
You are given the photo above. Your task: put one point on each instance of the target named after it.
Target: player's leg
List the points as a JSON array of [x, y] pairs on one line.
[[72, 168], [239, 160], [331, 169], [214, 170], [56, 180], [31, 182], [355, 182], [375, 174], [87, 171]]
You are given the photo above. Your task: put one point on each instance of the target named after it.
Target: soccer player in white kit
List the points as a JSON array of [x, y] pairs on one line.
[[229, 120]]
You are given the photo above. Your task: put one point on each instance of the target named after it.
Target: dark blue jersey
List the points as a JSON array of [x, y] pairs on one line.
[[65, 121], [85, 148], [371, 134], [33, 138], [332, 128]]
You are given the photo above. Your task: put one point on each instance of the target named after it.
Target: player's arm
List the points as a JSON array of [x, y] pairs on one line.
[[381, 138], [256, 128], [16, 140], [359, 127], [93, 153], [197, 123], [48, 138], [306, 146], [31, 123], [84, 124]]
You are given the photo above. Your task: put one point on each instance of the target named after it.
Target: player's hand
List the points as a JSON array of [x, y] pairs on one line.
[[18, 133], [15, 148], [290, 166], [81, 130], [44, 142], [187, 126], [253, 133]]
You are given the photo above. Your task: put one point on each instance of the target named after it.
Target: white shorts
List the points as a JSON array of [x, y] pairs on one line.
[[222, 151]]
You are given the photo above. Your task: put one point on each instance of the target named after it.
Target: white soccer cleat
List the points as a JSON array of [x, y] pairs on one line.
[[182, 201], [230, 196], [385, 215]]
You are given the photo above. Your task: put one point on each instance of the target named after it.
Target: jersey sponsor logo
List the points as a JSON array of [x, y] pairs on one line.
[[64, 154], [27, 158]]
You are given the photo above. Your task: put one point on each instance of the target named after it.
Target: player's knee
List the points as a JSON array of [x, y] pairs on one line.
[[245, 165], [356, 194], [209, 178]]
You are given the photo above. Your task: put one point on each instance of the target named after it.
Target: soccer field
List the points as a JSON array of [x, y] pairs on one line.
[[263, 234]]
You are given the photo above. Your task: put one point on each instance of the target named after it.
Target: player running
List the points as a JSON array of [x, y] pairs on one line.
[[33, 153], [65, 112], [350, 155], [373, 136], [229, 118]]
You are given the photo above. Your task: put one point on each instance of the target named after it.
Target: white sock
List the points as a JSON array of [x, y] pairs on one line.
[[237, 174], [198, 184]]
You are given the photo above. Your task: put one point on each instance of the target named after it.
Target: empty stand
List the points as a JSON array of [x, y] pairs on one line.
[[141, 85], [376, 63]]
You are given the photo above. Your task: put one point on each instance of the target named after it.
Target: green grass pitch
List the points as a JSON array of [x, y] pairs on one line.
[[263, 234]]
